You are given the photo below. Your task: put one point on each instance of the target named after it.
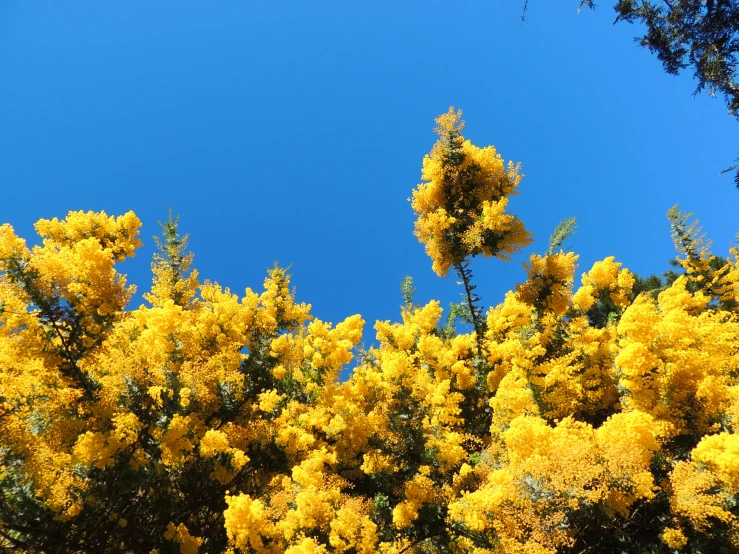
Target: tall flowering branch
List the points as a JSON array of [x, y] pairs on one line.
[[461, 207]]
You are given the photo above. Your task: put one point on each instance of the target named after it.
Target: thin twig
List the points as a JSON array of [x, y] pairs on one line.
[[417, 542]]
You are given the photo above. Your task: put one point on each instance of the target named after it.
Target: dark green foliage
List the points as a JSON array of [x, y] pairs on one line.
[[702, 35]]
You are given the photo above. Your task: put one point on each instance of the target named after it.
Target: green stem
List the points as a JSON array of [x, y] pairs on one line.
[[463, 271]]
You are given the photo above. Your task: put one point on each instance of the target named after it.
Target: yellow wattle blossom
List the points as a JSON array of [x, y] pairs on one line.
[[179, 439], [461, 205], [180, 534], [185, 394], [720, 454], [674, 538], [549, 283], [268, 400], [418, 491], [246, 522], [604, 281], [700, 499], [213, 442], [353, 530], [93, 449], [675, 360]]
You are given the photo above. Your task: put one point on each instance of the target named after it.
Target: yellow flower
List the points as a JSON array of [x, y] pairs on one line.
[[461, 203]]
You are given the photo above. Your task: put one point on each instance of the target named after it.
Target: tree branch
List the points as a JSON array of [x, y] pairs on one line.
[[463, 271]]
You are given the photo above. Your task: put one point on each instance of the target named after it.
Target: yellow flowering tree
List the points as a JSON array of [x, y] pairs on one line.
[[579, 415]]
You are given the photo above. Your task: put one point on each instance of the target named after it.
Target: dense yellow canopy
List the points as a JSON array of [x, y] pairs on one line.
[[212, 422]]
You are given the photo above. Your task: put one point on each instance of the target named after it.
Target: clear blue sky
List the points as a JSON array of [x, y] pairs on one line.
[[294, 131]]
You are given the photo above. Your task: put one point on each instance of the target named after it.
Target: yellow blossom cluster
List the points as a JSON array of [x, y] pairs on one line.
[[549, 282], [461, 205], [605, 281]]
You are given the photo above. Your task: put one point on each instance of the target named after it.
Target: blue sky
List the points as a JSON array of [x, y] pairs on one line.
[[294, 132]]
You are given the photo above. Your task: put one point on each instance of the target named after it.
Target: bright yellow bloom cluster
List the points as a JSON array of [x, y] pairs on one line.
[[604, 281], [418, 491], [180, 534], [461, 204], [549, 284], [677, 359]]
